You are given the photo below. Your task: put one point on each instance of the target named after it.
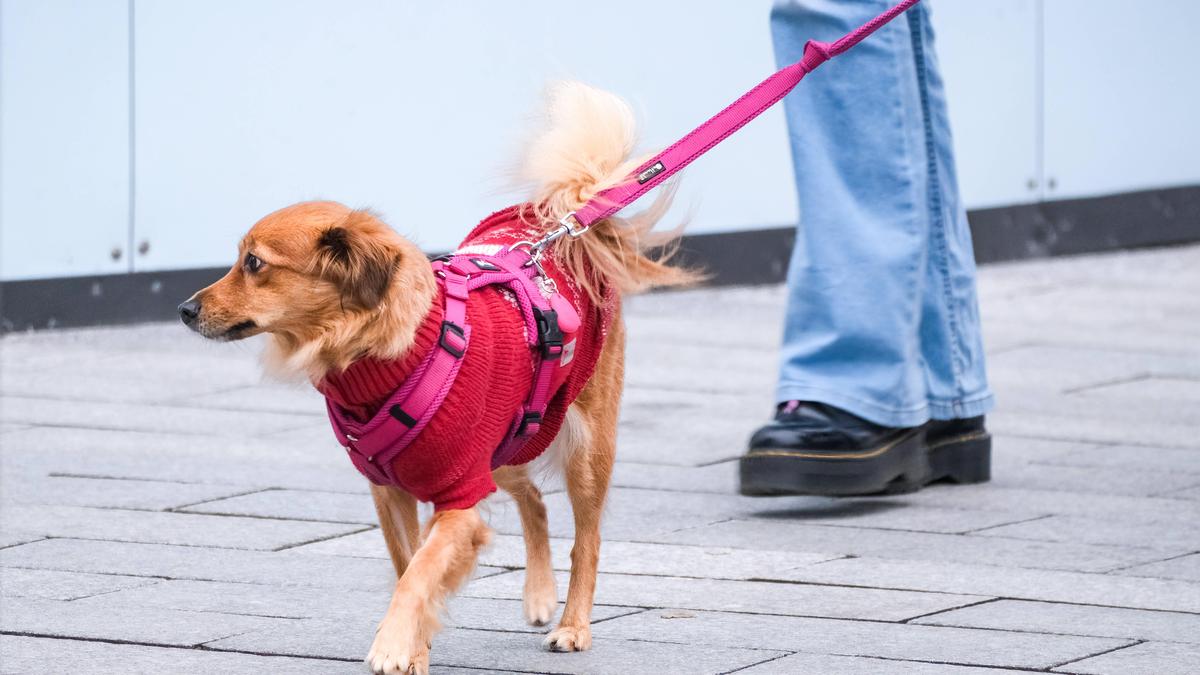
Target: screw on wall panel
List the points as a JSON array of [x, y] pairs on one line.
[[1031, 183], [1051, 183], [156, 286], [144, 247], [115, 254]]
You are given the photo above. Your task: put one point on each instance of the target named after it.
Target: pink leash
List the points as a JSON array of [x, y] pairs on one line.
[[667, 163], [372, 445]]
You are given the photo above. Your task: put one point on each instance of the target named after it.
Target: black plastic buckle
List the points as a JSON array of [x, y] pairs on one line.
[[532, 417], [451, 327], [550, 337]]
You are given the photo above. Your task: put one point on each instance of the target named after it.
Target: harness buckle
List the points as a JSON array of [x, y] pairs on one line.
[[550, 337], [455, 350], [532, 419]]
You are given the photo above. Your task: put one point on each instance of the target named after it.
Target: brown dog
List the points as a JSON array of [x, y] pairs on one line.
[[331, 285]]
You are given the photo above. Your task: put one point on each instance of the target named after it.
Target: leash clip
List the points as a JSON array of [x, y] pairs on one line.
[[564, 229]]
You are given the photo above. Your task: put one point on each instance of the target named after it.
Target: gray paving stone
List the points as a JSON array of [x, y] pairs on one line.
[[366, 544], [1150, 658], [995, 580], [620, 557], [292, 602], [283, 568], [141, 417], [1045, 617], [189, 562], [1030, 501], [1103, 480], [828, 664], [1094, 430], [32, 655], [628, 514], [111, 493], [1192, 493], [857, 638], [1147, 533], [1133, 458], [1185, 567], [916, 546], [53, 618], [56, 585], [1148, 389], [318, 463], [299, 398], [14, 539], [166, 528], [490, 650], [720, 478], [106, 384], [639, 515], [335, 507], [741, 596], [1094, 361]]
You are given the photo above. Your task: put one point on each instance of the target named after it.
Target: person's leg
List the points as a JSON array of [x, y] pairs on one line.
[[881, 318], [856, 274], [881, 331], [950, 335]]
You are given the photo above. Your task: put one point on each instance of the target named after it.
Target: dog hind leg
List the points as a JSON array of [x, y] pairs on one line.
[[588, 471]]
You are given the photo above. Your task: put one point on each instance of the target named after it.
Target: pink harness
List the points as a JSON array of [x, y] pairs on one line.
[[550, 320]]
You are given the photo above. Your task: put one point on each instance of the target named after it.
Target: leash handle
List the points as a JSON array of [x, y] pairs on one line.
[[703, 138]]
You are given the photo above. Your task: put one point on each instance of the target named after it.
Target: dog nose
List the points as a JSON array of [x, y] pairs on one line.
[[189, 311]]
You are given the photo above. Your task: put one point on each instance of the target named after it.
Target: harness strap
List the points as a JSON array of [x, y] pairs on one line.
[[373, 445], [667, 163]]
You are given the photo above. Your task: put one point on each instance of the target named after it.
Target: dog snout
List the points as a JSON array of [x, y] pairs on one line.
[[189, 312]]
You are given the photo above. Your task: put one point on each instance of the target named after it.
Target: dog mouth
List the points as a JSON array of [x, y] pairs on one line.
[[238, 330]]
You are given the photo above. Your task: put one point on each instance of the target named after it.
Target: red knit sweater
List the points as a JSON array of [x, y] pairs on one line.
[[448, 464]]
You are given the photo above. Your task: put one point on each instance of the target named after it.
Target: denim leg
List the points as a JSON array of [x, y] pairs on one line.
[[950, 334], [881, 317]]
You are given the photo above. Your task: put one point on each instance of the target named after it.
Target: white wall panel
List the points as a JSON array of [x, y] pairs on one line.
[[1122, 95], [418, 108], [987, 50], [64, 137]]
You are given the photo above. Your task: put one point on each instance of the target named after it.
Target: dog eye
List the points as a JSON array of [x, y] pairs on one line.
[[252, 263]]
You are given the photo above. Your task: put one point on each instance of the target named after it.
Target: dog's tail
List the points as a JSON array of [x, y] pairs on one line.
[[586, 147]]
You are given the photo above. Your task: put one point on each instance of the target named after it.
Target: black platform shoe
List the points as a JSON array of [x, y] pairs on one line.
[[816, 449]]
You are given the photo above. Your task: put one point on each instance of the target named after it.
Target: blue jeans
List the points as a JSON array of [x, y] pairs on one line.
[[882, 318]]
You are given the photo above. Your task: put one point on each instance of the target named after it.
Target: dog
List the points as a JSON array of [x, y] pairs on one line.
[[334, 288]]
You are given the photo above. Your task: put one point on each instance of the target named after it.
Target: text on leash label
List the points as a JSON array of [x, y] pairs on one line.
[[650, 173]]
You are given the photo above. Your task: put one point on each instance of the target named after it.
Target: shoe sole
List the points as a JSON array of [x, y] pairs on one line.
[[906, 464]]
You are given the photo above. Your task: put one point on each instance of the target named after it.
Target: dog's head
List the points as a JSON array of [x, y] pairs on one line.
[[309, 272]]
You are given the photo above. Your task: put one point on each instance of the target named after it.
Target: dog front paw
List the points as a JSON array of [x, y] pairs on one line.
[[397, 651], [568, 639], [540, 601]]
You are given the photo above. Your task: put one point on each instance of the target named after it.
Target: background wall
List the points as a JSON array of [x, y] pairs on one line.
[[143, 135]]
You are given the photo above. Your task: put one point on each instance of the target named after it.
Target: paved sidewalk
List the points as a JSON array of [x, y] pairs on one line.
[[167, 511]]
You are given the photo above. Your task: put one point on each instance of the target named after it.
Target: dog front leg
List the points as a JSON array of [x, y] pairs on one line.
[[541, 595], [399, 522], [439, 567]]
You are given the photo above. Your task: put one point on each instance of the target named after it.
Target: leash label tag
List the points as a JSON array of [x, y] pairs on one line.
[[650, 173]]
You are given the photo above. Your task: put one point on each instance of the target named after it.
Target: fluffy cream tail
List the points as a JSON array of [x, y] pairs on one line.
[[586, 147]]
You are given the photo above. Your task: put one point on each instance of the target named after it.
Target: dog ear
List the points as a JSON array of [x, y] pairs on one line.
[[358, 257]]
